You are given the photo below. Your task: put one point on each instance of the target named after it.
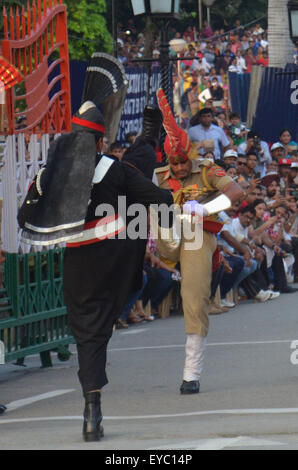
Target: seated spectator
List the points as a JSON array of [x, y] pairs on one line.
[[275, 241], [258, 146], [241, 164], [209, 156], [293, 176], [272, 167], [284, 168], [235, 238], [231, 170], [159, 276], [277, 151], [251, 165], [230, 157], [287, 141]]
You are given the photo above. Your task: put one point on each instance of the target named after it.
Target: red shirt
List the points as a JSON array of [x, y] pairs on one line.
[[263, 61]]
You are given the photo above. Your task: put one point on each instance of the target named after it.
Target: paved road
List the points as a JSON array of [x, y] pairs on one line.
[[248, 399]]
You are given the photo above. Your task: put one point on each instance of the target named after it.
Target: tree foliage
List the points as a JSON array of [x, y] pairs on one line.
[[87, 28]]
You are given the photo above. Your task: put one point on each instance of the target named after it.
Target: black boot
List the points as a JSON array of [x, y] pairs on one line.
[[92, 429], [188, 388]]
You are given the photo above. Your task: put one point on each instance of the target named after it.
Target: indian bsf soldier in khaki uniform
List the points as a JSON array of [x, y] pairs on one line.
[[206, 181]]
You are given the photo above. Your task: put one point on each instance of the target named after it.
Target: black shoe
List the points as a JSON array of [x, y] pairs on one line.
[[2, 409], [289, 290], [92, 429], [188, 388]]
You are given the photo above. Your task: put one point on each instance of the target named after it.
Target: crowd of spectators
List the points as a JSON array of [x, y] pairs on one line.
[[259, 239]]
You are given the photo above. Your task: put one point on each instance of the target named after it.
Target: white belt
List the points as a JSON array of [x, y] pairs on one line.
[[99, 230]]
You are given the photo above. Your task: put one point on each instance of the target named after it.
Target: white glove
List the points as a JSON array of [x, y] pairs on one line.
[[194, 208]]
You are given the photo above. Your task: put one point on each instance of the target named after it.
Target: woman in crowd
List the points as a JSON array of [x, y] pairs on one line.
[[287, 141]]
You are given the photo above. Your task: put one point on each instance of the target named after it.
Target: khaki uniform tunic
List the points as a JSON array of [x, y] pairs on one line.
[[196, 265]]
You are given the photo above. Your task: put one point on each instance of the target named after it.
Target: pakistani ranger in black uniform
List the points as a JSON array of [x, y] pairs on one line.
[[102, 265]]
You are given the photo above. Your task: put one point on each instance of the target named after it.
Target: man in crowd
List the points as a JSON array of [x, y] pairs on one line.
[[251, 165], [205, 132], [277, 151], [236, 235], [259, 147]]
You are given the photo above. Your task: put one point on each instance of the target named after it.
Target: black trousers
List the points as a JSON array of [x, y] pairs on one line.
[[97, 281]]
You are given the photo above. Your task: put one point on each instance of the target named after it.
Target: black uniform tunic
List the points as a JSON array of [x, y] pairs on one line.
[[99, 275]]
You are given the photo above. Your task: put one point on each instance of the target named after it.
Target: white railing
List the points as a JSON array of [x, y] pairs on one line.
[[23, 156]]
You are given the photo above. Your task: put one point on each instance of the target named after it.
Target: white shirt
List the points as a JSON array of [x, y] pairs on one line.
[[265, 158], [203, 65], [241, 64], [228, 227], [240, 231]]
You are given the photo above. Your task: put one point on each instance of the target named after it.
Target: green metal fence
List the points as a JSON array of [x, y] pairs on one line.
[[33, 316]]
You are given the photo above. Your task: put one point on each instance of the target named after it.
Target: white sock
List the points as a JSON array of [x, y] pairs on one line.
[[194, 357]]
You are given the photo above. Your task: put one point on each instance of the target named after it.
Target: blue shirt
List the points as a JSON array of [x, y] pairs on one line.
[[198, 133]]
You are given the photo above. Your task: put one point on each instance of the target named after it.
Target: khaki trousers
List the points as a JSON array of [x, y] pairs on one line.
[[196, 272]]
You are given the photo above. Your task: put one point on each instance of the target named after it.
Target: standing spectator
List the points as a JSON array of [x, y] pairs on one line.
[[235, 67], [210, 54], [235, 44], [241, 63], [193, 100], [206, 131], [189, 33], [207, 31], [237, 130], [250, 60], [201, 64], [263, 59]]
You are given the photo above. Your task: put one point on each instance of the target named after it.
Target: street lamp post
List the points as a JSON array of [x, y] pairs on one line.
[[178, 46], [164, 10], [208, 4], [293, 19]]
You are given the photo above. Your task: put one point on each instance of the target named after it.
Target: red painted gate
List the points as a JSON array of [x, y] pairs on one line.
[[36, 42]]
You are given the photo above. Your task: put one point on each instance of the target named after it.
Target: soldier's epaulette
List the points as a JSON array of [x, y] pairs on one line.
[[216, 170], [162, 169]]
